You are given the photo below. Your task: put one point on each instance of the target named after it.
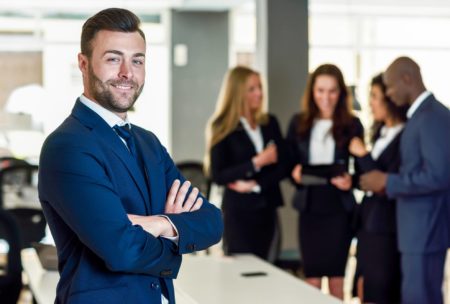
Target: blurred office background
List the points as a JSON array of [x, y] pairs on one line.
[[192, 43]]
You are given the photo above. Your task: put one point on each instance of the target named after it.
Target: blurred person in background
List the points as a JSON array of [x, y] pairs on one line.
[[244, 153], [377, 253], [422, 186], [320, 135]]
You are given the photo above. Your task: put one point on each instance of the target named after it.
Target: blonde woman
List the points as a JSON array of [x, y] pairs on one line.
[[244, 150]]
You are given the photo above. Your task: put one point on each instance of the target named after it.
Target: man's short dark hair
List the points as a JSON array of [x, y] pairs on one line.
[[111, 19]]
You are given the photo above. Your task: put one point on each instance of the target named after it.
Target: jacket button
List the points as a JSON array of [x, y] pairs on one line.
[[191, 247], [166, 272], [154, 285]]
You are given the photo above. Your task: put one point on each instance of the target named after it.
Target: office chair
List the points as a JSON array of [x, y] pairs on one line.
[[18, 194], [193, 172], [17, 178], [11, 281], [32, 224]]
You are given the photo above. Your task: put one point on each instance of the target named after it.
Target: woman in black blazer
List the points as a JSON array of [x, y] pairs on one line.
[[320, 135], [378, 257], [245, 147]]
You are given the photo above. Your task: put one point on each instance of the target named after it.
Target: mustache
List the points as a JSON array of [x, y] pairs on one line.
[[121, 82]]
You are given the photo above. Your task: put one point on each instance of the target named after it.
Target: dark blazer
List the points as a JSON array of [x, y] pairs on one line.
[[231, 159], [88, 182], [298, 151], [422, 186], [377, 211]]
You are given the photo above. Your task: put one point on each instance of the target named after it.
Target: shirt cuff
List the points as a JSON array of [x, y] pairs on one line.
[[171, 238], [256, 188]]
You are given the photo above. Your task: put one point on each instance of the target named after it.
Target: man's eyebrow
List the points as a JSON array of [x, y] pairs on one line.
[[116, 52]]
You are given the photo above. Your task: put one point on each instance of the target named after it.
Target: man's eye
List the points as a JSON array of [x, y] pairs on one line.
[[113, 59], [138, 62]]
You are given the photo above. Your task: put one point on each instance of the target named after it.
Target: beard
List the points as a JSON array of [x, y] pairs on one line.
[[118, 103]]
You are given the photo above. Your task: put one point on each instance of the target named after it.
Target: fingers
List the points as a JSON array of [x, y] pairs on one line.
[[181, 195], [297, 173], [198, 204], [232, 186], [173, 192], [179, 201], [190, 200], [343, 182]]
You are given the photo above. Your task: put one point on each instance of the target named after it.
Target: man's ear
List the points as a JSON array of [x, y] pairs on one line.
[[83, 63]]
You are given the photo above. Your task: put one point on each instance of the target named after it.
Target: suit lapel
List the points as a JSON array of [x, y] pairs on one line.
[[266, 135], [105, 134], [152, 172], [245, 138]]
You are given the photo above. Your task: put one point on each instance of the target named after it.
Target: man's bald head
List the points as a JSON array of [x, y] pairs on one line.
[[403, 81]]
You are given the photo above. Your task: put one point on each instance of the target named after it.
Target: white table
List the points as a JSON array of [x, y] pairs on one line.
[[42, 282], [219, 280], [205, 280]]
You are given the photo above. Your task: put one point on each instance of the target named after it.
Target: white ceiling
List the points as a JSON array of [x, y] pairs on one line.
[[143, 6]]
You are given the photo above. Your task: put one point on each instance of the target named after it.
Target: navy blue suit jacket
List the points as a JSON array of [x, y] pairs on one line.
[[422, 186], [88, 182]]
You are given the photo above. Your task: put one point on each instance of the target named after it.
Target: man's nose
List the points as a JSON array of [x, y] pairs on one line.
[[125, 70]]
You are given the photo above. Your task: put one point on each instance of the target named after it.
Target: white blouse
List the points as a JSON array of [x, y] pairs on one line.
[[257, 139], [254, 134], [387, 135], [321, 143]]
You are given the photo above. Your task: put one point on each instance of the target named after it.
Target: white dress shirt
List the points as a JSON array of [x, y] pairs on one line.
[[416, 104], [387, 135], [112, 119], [258, 141], [321, 143]]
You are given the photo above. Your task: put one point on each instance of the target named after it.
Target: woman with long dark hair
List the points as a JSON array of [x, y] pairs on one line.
[[378, 257], [320, 135]]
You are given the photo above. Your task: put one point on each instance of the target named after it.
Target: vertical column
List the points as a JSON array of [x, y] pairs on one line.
[[282, 56], [199, 60], [282, 53]]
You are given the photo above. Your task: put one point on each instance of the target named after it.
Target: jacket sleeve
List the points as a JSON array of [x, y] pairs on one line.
[[221, 171], [360, 165], [199, 229], [73, 181], [433, 175], [271, 175], [292, 153]]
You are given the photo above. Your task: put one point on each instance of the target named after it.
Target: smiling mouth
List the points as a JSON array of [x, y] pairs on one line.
[[122, 87]]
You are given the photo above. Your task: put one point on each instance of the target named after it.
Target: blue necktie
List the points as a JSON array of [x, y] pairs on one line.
[[125, 133]]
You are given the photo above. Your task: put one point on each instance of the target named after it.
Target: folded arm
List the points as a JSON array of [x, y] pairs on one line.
[[74, 182]]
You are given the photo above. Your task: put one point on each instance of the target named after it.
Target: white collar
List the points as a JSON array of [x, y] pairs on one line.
[[391, 131], [416, 104], [109, 117], [247, 125]]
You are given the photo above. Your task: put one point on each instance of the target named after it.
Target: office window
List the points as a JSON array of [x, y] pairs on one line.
[[363, 39]]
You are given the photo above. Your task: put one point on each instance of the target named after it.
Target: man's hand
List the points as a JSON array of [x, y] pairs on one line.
[[242, 186], [266, 157], [374, 181], [342, 182], [297, 174], [160, 225], [176, 196], [153, 224]]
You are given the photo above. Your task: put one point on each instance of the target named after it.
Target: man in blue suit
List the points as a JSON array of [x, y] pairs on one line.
[[120, 212], [422, 187]]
